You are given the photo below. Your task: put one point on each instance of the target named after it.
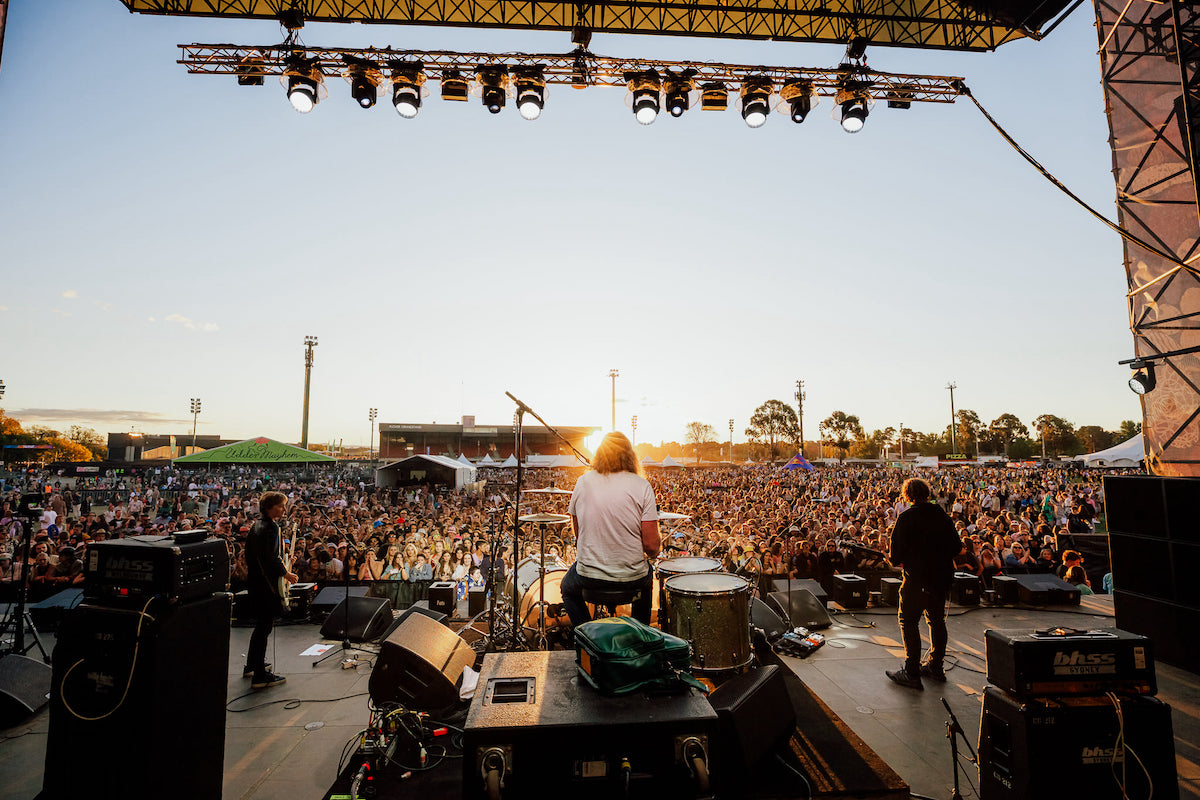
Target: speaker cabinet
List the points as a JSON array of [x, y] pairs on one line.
[[24, 687], [442, 597], [800, 609], [419, 665], [889, 591], [1135, 504], [1007, 589], [1170, 625], [850, 591], [1067, 748], [476, 602], [754, 714], [124, 679], [765, 618], [965, 589], [358, 619]]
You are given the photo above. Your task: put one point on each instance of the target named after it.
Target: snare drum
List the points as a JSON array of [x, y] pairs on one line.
[[711, 610]]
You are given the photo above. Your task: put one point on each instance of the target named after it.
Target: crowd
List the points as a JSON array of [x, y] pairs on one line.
[[758, 521]]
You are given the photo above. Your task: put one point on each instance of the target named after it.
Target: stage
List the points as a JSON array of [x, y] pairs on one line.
[[285, 743]]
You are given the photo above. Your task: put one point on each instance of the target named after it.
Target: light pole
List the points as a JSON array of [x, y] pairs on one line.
[[800, 395], [614, 374], [633, 423], [953, 438], [371, 414], [309, 343], [902, 444], [195, 413], [731, 440]]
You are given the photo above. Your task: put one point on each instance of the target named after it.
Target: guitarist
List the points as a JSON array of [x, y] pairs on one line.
[[265, 567]]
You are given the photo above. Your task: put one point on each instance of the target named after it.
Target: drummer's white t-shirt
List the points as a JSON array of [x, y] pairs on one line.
[[611, 509]]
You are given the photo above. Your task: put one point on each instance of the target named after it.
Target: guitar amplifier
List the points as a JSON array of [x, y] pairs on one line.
[[1064, 661], [183, 566], [965, 589]]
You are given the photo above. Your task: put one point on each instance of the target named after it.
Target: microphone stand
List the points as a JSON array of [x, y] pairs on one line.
[[351, 545], [953, 731]]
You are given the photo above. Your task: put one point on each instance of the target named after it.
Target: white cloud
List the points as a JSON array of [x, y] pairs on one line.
[[190, 324], [60, 312], [3, 308], [70, 294]]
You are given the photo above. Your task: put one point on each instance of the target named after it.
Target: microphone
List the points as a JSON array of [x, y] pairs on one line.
[[520, 405], [358, 779]]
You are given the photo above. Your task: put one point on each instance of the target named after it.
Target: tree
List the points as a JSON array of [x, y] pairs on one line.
[[1128, 430], [1058, 435], [968, 430], [699, 433], [1094, 438], [873, 446], [841, 428], [774, 421], [66, 450], [1005, 428], [89, 438]]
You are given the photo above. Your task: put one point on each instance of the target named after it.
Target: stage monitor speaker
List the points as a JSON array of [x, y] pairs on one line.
[[330, 596], [365, 620], [48, 613], [1068, 748], [24, 688], [419, 665], [765, 618], [476, 601], [800, 609], [420, 607], [124, 679], [443, 597], [785, 585], [850, 591], [1044, 589], [755, 714]]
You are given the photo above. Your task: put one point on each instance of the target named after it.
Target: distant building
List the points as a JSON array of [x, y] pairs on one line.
[[133, 447], [399, 440]]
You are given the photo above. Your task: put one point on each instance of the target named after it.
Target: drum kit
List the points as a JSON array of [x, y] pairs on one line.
[[696, 600]]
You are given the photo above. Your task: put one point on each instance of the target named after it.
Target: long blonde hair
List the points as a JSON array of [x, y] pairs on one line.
[[615, 454]]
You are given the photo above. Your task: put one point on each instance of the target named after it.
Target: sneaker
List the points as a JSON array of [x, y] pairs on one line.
[[933, 673], [248, 671], [271, 679], [902, 677]]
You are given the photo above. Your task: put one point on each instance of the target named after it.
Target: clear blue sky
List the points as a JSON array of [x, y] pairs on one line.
[[166, 236]]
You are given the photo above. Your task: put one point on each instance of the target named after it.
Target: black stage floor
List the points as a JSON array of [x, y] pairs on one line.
[[285, 743]]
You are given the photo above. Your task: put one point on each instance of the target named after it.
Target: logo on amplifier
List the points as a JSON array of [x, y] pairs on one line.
[[128, 568], [1102, 755], [1077, 663]]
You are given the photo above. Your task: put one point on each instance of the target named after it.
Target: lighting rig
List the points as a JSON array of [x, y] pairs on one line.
[[495, 78]]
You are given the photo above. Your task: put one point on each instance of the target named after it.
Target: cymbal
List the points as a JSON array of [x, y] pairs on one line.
[[550, 519], [549, 490], [669, 515]]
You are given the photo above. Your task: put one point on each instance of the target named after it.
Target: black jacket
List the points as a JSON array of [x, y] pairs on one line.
[[925, 543], [264, 565]]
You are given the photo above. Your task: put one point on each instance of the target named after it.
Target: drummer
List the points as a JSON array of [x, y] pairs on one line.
[[615, 518]]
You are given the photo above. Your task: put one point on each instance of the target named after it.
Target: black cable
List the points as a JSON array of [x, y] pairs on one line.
[[807, 786], [962, 88], [289, 702]]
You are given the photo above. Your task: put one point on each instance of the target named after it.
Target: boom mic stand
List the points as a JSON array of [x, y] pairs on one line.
[[346, 644], [19, 617], [953, 731]]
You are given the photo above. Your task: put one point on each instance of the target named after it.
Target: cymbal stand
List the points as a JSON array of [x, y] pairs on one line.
[[19, 617], [953, 731]]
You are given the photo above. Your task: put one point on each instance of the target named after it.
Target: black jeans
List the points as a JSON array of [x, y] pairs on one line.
[[573, 584], [256, 651], [916, 601]]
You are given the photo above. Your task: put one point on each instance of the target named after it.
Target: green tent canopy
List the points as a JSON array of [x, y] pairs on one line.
[[254, 451]]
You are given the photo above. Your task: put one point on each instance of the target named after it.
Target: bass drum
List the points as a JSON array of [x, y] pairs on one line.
[[711, 610], [527, 573], [556, 615]]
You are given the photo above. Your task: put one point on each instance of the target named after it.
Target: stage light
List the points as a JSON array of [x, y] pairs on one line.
[[363, 90], [854, 114], [1142, 381], [644, 98], [714, 97], [304, 82], [408, 80], [492, 88], [798, 99], [531, 92], [756, 101], [856, 48], [454, 86], [901, 96], [679, 88], [250, 71]]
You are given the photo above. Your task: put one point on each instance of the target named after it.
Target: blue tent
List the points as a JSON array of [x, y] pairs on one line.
[[799, 462]]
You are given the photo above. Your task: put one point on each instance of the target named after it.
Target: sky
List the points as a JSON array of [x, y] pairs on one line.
[[165, 236]]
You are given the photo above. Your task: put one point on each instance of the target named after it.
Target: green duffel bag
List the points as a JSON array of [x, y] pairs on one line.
[[619, 655]]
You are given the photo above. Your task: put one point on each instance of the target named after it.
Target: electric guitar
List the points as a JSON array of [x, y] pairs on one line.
[[281, 589]]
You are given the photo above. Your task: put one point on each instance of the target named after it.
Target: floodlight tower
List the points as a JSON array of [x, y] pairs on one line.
[[614, 374], [371, 414], [309, 343], [195, 413]]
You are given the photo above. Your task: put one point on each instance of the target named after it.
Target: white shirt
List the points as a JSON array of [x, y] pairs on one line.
[[611, 509]]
